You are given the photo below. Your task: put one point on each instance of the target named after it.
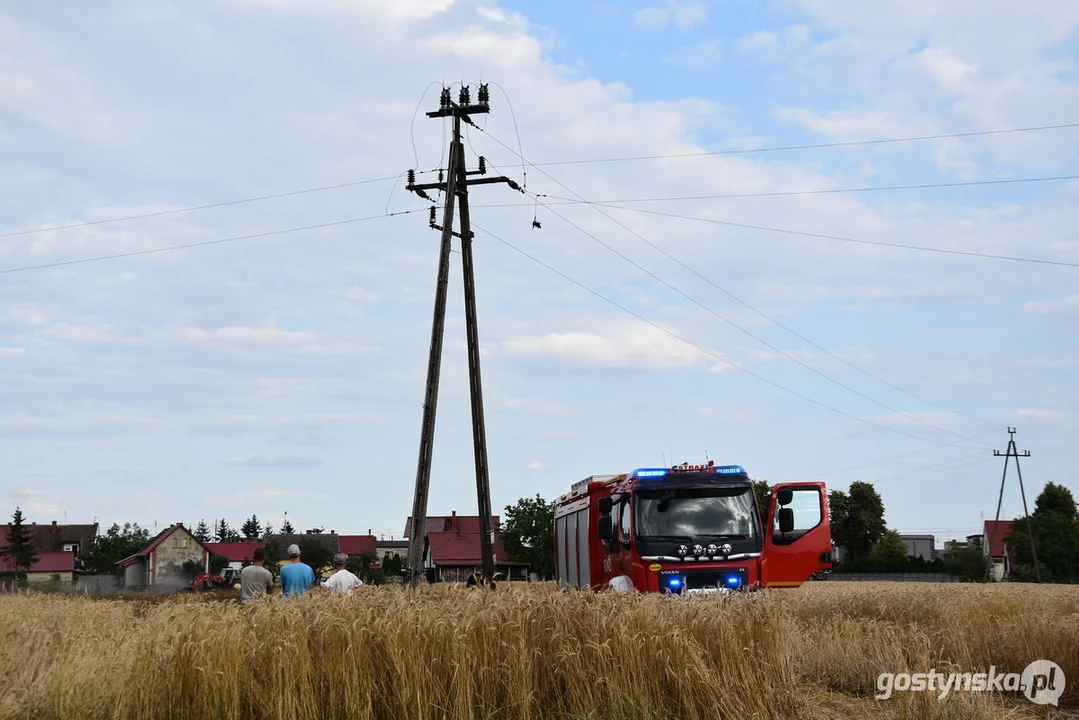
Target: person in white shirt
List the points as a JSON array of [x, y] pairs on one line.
[[342, 581]]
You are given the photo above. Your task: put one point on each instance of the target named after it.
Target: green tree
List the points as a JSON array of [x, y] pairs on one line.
[[361, 565], [224, 533], [273, 556], [763, 491], [393, 565], [529, 534], [19, 546], [252, 528], [1055, 526], [890, 548], [202, 532], [287, 529], [218, 563], [116, 544], [315, 553], [966, 562], [857, 519]]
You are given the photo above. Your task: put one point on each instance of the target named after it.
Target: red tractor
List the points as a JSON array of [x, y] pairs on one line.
[[210, 581]]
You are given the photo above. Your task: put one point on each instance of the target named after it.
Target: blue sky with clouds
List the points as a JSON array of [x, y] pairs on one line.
[[285, 372]]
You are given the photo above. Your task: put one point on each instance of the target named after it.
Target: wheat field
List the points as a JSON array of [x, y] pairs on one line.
[[528, 651]]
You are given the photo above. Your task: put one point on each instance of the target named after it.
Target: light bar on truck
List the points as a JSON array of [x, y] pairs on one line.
[[663, 472]]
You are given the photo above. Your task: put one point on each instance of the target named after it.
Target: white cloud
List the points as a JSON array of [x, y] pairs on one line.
[[273, 459], [764, 39], [536, 465], [12, 352], [1065, 306], [702, 55], [684, 15], [652, 18], [621, 346], [1051, 418]]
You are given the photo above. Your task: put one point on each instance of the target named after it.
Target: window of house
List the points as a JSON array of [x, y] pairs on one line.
[[71, 547]]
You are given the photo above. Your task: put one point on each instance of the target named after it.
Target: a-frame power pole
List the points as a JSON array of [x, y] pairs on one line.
[[1013, 452], [455, 186]]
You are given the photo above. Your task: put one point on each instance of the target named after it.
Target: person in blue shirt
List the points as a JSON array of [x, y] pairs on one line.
[[296, 577]]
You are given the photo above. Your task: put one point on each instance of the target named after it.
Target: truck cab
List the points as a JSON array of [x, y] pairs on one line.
[[689, 529]]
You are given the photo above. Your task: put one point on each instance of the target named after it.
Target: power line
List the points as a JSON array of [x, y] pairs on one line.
[[817, 146], [823, 236], [884, 460], [219, 241], [192, 208], [710, 353], [938, 467], [797, 193], [746, 332], [729, 294]]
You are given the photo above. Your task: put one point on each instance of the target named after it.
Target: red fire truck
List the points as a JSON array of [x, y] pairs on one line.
[[689, 529]]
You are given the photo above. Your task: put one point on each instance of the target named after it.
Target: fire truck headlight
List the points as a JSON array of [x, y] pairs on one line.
[[732, 581]]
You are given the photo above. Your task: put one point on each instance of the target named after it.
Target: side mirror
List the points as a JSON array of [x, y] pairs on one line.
[[784, 496], [605, 527], [605, 504], [786, 520]]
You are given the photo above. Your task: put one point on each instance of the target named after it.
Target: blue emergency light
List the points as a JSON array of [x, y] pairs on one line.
[[733, 581], [674, 582], [650, 473]]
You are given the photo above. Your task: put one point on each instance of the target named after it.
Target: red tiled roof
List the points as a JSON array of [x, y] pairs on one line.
[[452, 548], [235, 551], [50, 562], [446, 523], [995, 531], [355, 544], [130, 559]]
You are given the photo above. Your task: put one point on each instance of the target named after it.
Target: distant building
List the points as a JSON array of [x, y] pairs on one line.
[[49, 567], [238, 554], [57, 538], [391, 547], [356, 544], [161, 562], [997, 550], [922, 546], [452, 548]]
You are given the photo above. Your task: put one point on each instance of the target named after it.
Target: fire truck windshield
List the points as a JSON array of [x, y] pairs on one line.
[[692, 513]]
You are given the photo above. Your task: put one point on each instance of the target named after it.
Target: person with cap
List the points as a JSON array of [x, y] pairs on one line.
[[297, 576], [342, 581]]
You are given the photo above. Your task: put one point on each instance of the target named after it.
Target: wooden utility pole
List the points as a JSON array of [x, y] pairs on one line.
[[455, 186], [1013, 452]]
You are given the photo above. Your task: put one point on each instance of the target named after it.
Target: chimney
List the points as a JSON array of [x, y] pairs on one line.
[[53, 527]]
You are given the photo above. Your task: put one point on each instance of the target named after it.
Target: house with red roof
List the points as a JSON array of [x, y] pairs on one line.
[[996, 549], [452, 548], [161, 563], [49, 567], [238, 554], [57, 538]]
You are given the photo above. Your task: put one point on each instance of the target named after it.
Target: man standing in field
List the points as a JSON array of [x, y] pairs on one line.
[[341, 582], [255, 580], [296, 577]]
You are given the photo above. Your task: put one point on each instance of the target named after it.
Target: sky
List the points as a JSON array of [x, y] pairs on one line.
[[276, 373]]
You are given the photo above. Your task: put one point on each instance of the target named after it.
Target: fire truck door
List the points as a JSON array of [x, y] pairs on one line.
[[797, 539]]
